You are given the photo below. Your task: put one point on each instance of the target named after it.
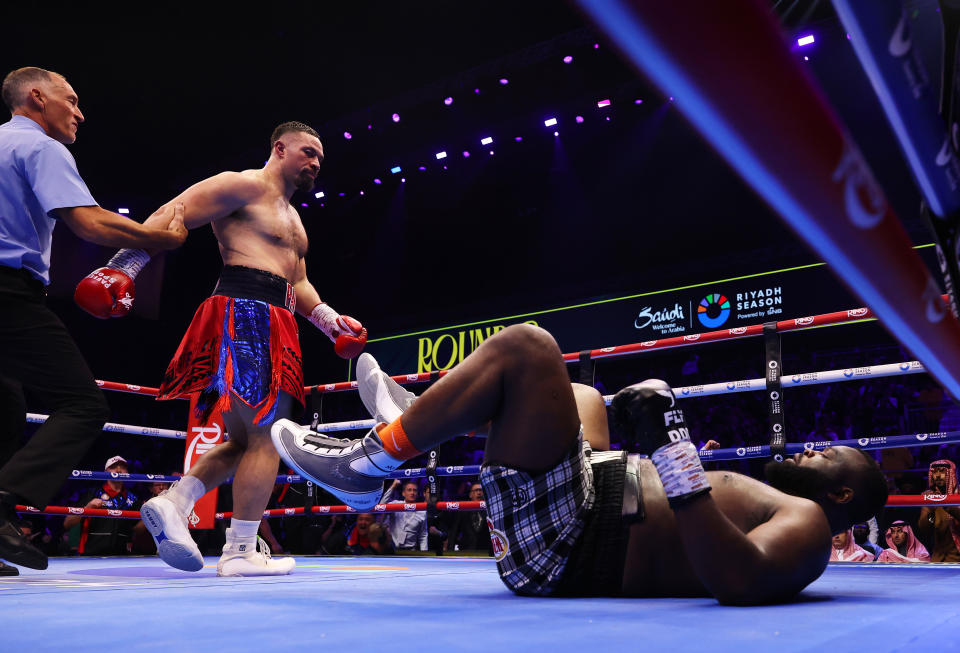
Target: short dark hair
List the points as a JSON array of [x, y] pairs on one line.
[[292, 126], [14, 89], [408, 482], [869, 493]]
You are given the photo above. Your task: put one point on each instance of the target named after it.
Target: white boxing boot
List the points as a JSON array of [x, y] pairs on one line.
[[251, 557], [169, 530]]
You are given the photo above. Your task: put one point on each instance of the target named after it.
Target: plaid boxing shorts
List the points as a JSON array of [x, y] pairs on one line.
[[536, 520]]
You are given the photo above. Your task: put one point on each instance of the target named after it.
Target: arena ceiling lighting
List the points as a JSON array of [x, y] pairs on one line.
[[549, 122], [805, 40], [441, 155], [395, 169], [486, 141]]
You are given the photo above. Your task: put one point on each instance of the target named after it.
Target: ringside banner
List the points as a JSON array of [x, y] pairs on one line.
[[728, 303]]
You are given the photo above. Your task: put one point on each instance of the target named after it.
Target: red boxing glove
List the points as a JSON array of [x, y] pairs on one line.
[[352, 337], [109, 291], [347, 334]]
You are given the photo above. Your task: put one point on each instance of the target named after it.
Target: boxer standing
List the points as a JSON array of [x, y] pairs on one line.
[[241, 352], [39, 183]]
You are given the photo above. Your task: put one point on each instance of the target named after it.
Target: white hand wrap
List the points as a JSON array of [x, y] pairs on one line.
[[325, 318], [129, 261], [681, 471]]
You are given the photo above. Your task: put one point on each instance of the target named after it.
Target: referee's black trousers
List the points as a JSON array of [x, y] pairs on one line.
[[37, 353]]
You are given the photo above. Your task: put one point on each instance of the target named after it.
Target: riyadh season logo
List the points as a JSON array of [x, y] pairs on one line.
[[713, 310]]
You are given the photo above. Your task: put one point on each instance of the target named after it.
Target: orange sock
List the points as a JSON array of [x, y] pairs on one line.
[[396, 444]]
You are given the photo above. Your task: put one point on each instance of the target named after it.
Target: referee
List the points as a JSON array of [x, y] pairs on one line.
[[39, 184]]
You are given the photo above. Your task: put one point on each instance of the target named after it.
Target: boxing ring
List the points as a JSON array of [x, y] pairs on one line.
[[459, 602], [359, 604]]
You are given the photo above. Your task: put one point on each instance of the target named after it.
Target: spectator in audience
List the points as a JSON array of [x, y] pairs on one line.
[[107, 535], [408, 529], [469, 531], [367, 537], [865, 535], [380, 541], [903, 545], [845, 549], [940, 525], [334, 538]]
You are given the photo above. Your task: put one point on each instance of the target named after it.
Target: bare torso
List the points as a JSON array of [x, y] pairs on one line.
[[266, 233], [657, 564]]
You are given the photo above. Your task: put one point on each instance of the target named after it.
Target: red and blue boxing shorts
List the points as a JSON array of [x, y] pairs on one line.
[[243, 343]]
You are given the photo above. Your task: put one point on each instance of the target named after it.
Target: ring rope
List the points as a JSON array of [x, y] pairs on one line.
[[444, 506], [868, 443], [724, 387], [37, 418], [895, 500], [411, 472], [837, 317]]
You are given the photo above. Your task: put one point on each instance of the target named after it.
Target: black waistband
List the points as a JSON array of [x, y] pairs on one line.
[[250, 283], [595, 565]]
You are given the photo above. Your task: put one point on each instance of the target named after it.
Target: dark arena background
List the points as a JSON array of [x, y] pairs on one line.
[[485, 164]]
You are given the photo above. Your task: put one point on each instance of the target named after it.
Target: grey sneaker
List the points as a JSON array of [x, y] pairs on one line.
[[383, 397], [332, 463]]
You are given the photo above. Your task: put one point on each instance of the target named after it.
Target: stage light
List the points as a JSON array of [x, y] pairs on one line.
[[603, 103], [347, 135], [448, 101], [486, 141], [549, 122], [395, 117], [377, 182], [318, 195], [805, 40], [504, 81], [568, 59], [638, 101], [466, 155], [441, 155], [518, 138], [556, 133], [403, 180], [123, 211], [579, 119], [422, 168], [395, 169], [304, 204], [491, 152]]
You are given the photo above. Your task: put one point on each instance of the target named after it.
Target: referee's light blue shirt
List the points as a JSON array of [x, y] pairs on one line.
[[37, 175]]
